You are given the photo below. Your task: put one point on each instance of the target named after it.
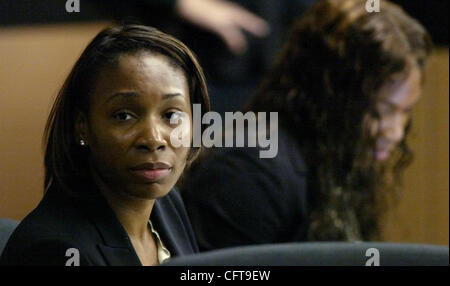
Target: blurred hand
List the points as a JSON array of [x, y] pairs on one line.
[[227, 20]]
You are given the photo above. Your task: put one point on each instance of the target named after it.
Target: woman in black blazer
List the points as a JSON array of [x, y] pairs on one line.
[[111, 162]]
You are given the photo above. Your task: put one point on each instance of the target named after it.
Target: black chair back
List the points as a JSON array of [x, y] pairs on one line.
[[321, 254], [7, 227]]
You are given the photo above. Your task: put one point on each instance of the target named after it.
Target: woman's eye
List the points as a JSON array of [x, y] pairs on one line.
[[385, 109], [173, 116], [122, 116]]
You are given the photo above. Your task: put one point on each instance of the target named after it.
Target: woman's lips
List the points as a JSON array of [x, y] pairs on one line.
[[151, 175], [382, 154], [151, 171]]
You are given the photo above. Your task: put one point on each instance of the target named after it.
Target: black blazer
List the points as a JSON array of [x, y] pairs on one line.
[[247, 200], [60, 222]]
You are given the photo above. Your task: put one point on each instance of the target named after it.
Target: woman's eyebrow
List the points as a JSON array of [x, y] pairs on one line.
[[171, 95], [395, 106], [122, 95], [133, 94]]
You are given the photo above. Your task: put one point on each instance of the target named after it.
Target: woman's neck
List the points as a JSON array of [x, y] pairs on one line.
[[132, 212]]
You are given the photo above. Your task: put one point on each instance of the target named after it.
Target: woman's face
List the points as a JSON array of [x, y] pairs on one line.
[[394, 104], [128, 126]]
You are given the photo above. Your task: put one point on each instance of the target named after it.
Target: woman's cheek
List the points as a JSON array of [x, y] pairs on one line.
[[112, 145]]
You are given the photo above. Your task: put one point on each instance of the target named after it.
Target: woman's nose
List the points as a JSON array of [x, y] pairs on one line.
[[394, 128], [151, 137]]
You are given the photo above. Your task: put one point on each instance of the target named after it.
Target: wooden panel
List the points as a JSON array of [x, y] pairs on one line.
[[423, 214], [34, 62]]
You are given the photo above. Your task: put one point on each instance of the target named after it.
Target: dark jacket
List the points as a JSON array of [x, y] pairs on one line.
[[236, 198], [91, 227]]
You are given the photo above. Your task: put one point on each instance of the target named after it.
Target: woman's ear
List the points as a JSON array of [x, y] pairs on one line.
[[81, 129]]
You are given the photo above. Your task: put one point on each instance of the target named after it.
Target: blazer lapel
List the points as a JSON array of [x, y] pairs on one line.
[[170, 227], [119, 256], [116, 248]]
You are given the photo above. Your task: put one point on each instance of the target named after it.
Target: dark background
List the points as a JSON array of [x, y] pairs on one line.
[[432, 13]]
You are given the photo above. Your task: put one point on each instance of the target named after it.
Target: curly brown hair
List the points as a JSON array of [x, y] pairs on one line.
[[324, 86]]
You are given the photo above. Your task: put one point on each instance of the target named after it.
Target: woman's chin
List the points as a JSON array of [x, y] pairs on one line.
[[149, 191]]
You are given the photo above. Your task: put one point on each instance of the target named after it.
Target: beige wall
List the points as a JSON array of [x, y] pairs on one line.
[[34, 61], [422, 215]]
